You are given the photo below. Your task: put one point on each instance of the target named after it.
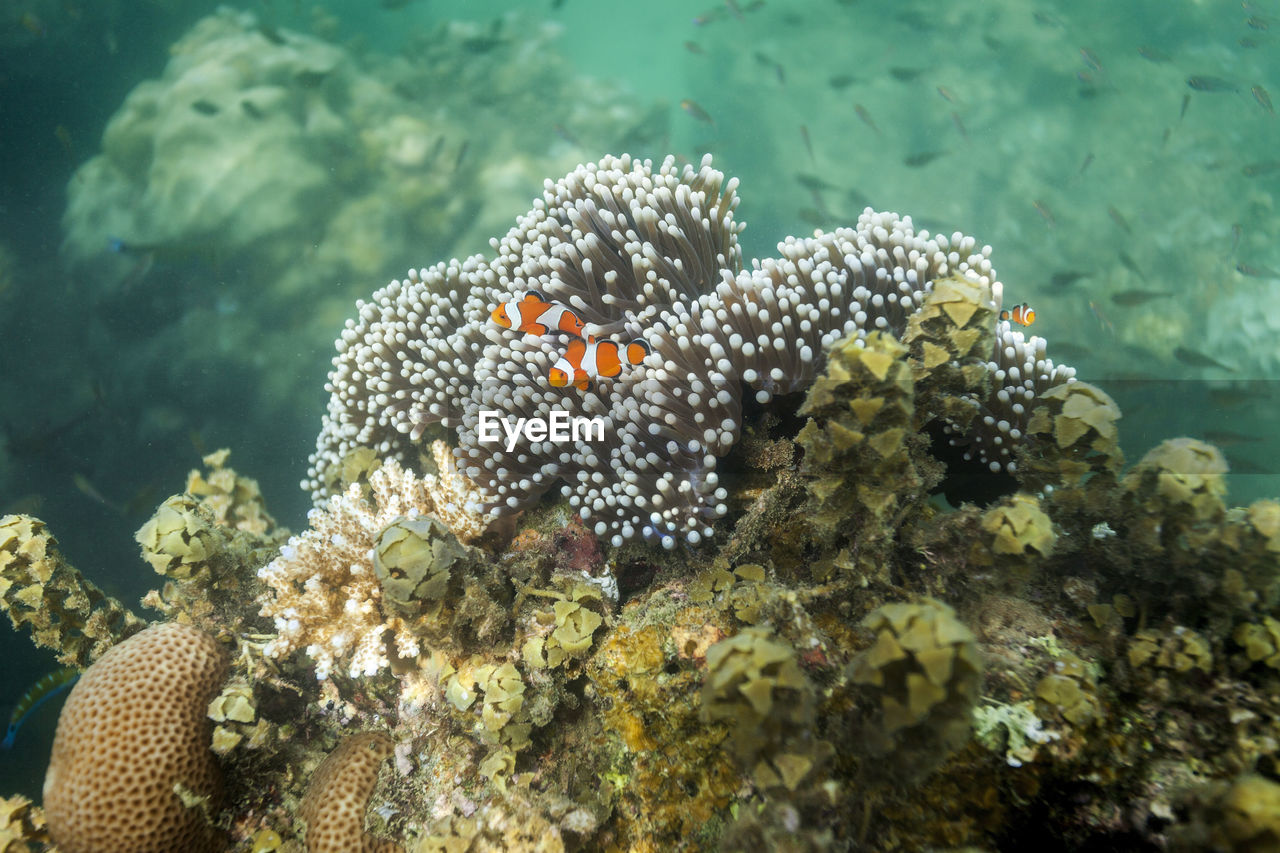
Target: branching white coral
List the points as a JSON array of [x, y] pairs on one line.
[[325, 597]]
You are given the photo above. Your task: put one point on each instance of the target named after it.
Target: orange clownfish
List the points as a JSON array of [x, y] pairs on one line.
[[1023, 315], [586, 360], [536, 315]]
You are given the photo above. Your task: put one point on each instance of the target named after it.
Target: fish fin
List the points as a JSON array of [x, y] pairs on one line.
[[535, 295]]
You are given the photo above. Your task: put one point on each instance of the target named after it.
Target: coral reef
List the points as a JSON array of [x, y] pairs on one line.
[[338, 794], [131, 768], [858, 656]]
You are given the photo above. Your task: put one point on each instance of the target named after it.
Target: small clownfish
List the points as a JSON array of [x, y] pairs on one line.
[[1023, 315], [536, 315], [586, 360]]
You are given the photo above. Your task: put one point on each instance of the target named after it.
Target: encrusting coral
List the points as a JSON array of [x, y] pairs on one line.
[[338, 795], [131, 770]]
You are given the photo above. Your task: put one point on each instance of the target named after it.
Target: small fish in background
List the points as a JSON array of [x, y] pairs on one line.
[[1091, 59], [959, 125], [1264, 100], [709, 16], [1045, 212], [1254, 170], [862, 113], [31, 22], [1131, 298], [1023, 315], [1236, 231], [89, 490], [1066, 278], [808, 144], [1194, 358], [1119, 219], [1257, 22], [905, 75], [1186, 102], [1153, 54], [693, 109], [1234, 396], [694, 48], [1256, 272], [813, 182], [1131, 265], [734, 9], [1227, 438], [948, 95], [563, 132], [1245, 465], [1207, 83], [205, 108], [251, 110], [1088, 160], [64, 137], [37, 694], [767, 62], [841, 81], [1103, 320], [462, 155], [922, 158]]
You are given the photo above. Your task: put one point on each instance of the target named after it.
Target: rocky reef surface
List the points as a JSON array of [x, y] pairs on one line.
[[864, 655]]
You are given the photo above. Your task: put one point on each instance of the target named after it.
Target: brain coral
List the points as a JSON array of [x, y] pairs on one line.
[[133, 744], [339, 793]]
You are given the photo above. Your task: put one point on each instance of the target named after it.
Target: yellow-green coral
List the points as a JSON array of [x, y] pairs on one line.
[[414, 560], [1179, 649], [63, 611], [855, 445], [755, 686], [1174, 496], [1077, 422], [572, 623], [1260, 641], [22, 827], [921, 677], [1070, 691], [1018, 536]]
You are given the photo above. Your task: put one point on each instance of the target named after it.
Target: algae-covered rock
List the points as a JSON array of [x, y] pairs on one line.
[[755, 685], [920, 680]]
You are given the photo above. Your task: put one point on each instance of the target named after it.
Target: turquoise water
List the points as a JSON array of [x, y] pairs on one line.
[[1133, 210]]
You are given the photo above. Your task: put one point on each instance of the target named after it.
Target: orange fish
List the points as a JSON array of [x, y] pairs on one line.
[[1023, 315], [586, 360], [536, 315]]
